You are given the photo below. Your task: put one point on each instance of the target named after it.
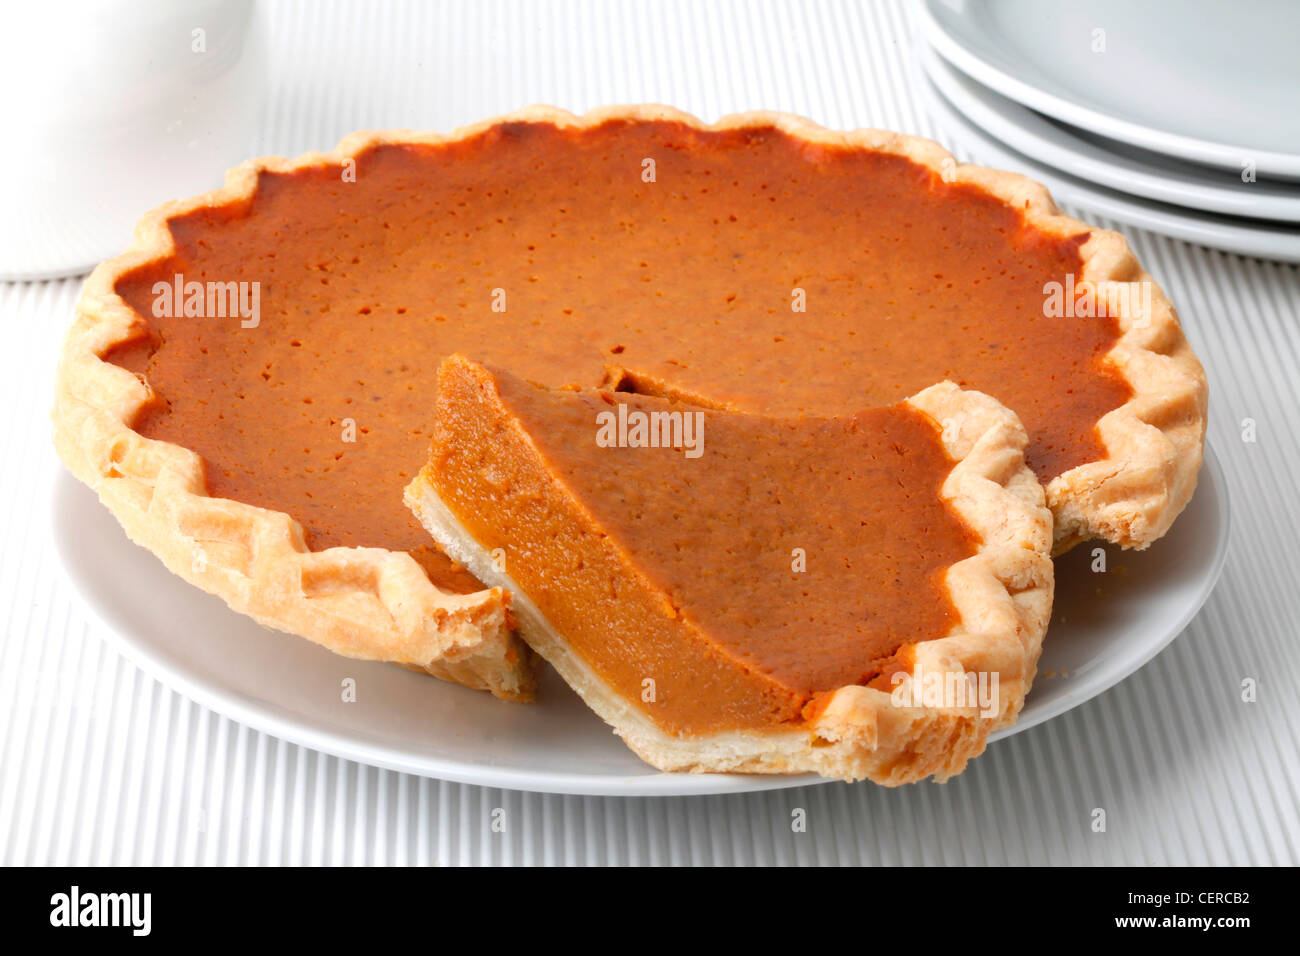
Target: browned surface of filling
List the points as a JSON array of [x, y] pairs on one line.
[[687, 280], [791, 557]]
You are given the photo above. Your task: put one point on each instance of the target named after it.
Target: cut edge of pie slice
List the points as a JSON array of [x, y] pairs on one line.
[[1001, 593], [376, 604]]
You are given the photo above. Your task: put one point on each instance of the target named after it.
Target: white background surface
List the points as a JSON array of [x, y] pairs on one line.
[[99, 764]]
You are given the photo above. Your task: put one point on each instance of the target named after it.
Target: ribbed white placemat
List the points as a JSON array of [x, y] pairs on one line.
[[100, 764]]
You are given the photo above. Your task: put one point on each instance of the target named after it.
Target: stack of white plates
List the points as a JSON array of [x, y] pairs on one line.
[[1179, 116]]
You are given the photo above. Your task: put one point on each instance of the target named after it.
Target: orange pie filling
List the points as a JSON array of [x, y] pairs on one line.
[[766, 273], [724, 579]]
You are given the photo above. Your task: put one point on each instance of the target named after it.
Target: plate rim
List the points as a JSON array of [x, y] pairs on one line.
[[1210, 152], [1210, 463]]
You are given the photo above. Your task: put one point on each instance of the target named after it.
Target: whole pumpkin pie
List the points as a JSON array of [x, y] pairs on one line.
[[248, 387], [860, 596]]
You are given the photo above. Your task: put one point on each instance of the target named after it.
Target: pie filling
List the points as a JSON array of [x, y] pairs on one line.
[[748, 266], [719, 570]]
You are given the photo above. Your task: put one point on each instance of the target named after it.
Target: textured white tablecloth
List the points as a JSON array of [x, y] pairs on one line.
[[100, 764]]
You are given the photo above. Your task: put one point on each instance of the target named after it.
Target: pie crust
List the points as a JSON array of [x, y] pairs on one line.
[[1002, 594], [375, 604]]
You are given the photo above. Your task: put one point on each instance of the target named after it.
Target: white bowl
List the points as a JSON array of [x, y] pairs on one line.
[[113, 107]]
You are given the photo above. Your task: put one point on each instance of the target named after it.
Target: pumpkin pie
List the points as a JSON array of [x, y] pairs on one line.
[[739, 592], [248, 386]]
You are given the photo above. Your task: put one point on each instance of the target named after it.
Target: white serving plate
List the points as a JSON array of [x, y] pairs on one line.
[[1263, 240], [1108, 163], [1202, 80], [1105, 627]]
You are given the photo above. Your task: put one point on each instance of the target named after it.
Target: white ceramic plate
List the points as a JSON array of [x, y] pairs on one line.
[[1105, 627], [1108, 163], [1264, 240], [1203, 80]]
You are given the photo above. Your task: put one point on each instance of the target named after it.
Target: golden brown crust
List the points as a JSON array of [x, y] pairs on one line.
[[1154, 442], [372, 603], [1002, 594]]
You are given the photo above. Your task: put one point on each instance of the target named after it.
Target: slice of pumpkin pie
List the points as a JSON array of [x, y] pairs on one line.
[[862, 596]]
